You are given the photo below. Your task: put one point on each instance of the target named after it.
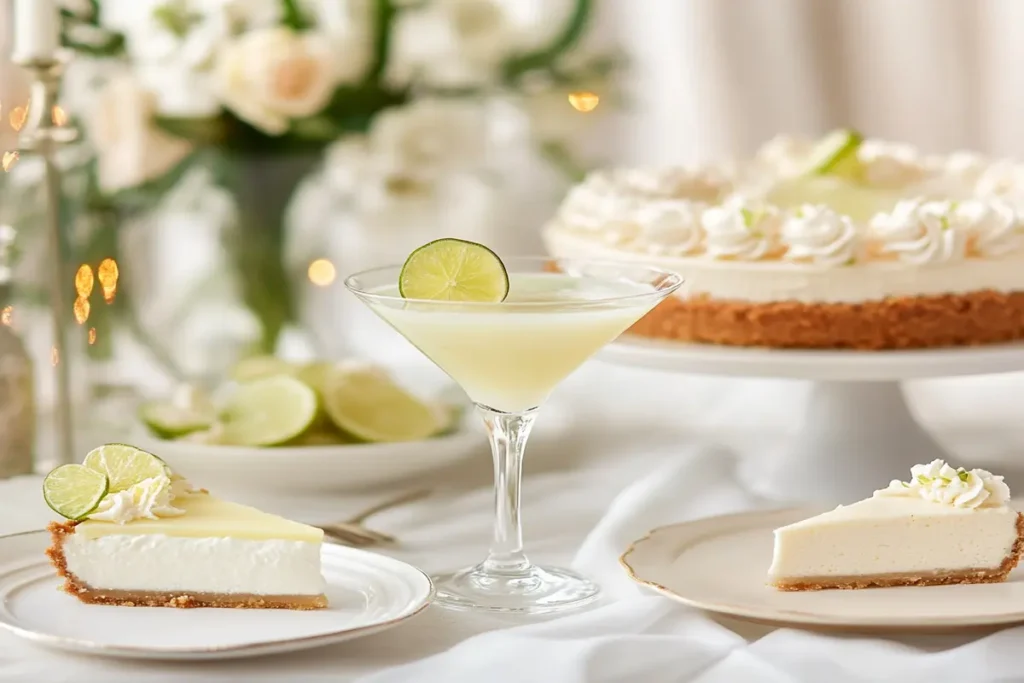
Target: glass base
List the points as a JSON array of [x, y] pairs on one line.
[[536, 590]]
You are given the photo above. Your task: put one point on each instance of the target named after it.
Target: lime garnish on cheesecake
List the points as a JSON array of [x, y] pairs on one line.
[[366, 403], [454, 270], [836, 155], [74, 491], [269, 411], [124, 465]]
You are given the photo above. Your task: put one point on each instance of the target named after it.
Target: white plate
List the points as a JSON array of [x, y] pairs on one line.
[[720, 564], [247, 470], [367, 593]]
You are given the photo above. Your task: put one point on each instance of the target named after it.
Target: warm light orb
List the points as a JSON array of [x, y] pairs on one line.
[[321, 272], [84, 281], [17, 117], [92, 335], [82, 309], [584, 101], [6, 315], [59, 116], [107, 274], [9, 160]]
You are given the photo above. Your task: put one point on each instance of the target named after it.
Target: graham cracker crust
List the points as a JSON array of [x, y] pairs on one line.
[[975, 318], [966, 576], [81, 590]]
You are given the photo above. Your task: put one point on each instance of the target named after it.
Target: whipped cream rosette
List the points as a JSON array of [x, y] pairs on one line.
[[742, 229], [921, 233], [816, 234], [940, 483]]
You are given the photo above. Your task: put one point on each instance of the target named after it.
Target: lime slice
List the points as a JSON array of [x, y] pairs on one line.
[[267, 412], [73, 491], [169, 421], [454, 270], [314, 374], [836, 155], [125, 466], [366, 403], [259, 367]]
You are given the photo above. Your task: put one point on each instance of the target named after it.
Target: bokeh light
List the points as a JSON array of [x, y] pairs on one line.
[[584, 101], [321, 272]]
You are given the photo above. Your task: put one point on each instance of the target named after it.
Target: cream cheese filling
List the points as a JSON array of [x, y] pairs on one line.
[[159, 563], [772, 281]]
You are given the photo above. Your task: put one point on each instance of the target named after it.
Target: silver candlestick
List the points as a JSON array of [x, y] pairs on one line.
[[44, 133]]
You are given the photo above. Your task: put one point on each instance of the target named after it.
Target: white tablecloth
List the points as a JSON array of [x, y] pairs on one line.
[[617, 452]]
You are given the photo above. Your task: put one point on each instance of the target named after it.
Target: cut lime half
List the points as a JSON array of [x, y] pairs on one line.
[[74, 491], [260, 367], [169, 421], [267, 412], [454, 270], [124, 465], [368, 404], [836, 155]]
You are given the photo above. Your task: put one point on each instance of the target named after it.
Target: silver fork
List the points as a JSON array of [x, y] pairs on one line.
[[352, 531]]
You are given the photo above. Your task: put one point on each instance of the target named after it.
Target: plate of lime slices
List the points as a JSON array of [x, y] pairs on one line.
[[309, 428]]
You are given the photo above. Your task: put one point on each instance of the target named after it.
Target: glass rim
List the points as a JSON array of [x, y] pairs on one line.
[[668, 282]]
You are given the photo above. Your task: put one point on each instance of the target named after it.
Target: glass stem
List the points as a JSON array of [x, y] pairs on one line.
[[508, 433]]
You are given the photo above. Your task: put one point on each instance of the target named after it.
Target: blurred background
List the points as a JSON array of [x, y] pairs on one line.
[[240, 157]]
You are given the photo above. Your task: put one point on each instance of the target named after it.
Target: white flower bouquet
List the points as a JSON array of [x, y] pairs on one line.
[[254, 91]]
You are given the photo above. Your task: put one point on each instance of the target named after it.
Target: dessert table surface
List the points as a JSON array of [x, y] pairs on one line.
[[616, 452]]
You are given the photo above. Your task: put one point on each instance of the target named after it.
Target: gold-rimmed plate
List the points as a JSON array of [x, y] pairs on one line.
[[368, 593], [720, 564]]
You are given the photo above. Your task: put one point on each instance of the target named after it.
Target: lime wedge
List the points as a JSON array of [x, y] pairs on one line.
[[314, 374], [366, 403], [454, 270], [125, 466], [836, 155], [259, 367], [73, 491], [169, 420], [268, 411]]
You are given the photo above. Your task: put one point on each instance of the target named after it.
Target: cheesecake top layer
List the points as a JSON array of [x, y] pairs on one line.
[[901, 207], [208, 517]]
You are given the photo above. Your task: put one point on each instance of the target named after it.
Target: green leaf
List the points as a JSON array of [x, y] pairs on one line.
[[384, 12], [293, 17]]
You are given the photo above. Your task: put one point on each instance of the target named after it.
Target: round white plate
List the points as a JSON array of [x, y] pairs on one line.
[[315, 469], [367, 593], [720, 564]]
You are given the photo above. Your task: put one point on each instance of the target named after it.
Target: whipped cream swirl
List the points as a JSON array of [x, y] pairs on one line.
[[940, 483], [993, 226], [921, 233], [671, 227], [785, 155], [820, 235], [672, 183], [596, 203], [891, 165], [149, 499], [741, 230]]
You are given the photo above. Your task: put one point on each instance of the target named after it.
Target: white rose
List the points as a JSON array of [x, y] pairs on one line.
[[268, 77], [131, 149], [452, 43], [429, 137], [348, 27]]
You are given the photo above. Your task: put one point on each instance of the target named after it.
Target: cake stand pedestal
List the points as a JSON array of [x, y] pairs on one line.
[[858, 432]]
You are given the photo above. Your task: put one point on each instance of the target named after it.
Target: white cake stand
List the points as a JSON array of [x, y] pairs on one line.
[[858, 432]]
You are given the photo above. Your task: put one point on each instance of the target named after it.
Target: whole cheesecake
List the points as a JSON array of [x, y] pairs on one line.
[[841, 243]]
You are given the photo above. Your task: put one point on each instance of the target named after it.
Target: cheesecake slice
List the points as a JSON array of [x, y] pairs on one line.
[[944, 526], [138, 535]]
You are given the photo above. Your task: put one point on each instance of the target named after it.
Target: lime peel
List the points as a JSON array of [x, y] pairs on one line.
[[124, 465], [268, 412], [368, 405]]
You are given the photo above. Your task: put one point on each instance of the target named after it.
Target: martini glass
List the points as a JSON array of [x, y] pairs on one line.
[[508, 357]]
